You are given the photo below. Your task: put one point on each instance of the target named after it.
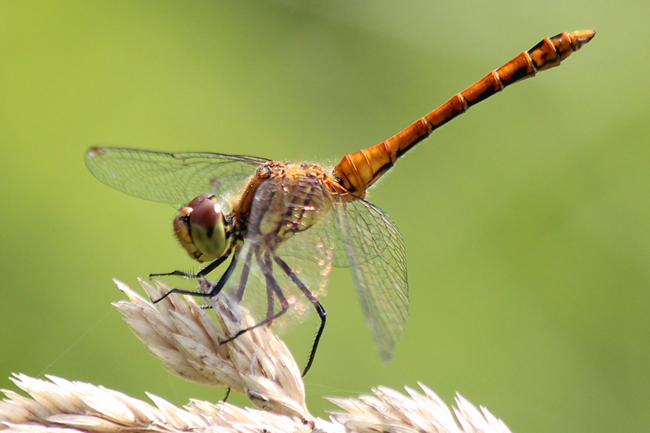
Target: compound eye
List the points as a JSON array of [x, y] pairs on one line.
[[201, 229]]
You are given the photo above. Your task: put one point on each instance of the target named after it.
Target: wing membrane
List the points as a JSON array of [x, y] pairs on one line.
[[375, 249], [173, 178]]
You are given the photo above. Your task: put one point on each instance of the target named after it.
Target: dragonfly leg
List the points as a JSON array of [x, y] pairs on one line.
[[214, 290], [174, 274], [271, 286], [212, 266], [270, 303], [319, 308], [225, 397], [203, 272], [244, 275]]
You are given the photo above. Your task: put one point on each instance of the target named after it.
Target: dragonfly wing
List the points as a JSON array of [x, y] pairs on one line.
[[306, 243], [375, 250], [174, 178]]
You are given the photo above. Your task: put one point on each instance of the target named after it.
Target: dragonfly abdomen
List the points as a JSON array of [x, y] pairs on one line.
[[358, 171]]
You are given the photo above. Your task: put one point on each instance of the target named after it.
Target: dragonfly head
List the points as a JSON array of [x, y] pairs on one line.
[[201, 228]]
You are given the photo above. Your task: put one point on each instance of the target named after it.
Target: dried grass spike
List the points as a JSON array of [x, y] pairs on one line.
[[183, 336]]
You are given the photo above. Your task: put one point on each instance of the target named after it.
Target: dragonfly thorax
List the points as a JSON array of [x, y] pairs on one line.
[[201, 228]]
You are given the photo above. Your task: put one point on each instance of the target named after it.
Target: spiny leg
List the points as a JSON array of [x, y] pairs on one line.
[[319, 308], [214, 290], [271, 286], [203, 272]]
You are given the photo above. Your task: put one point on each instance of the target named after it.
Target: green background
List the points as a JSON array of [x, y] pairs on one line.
[[526, 220]]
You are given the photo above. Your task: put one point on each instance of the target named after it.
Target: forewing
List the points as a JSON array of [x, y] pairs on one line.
[[375, 250], [174, 178], [308, 250]]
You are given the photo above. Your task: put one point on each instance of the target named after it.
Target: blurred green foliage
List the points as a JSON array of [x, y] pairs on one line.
[[526, 221]]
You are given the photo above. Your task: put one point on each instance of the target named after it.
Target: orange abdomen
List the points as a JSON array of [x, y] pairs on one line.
[[358, 171]]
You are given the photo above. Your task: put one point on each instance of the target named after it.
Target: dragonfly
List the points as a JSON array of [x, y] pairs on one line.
[[284, 226]]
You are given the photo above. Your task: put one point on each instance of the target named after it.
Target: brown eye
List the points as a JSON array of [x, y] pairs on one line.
[[200, 228]]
